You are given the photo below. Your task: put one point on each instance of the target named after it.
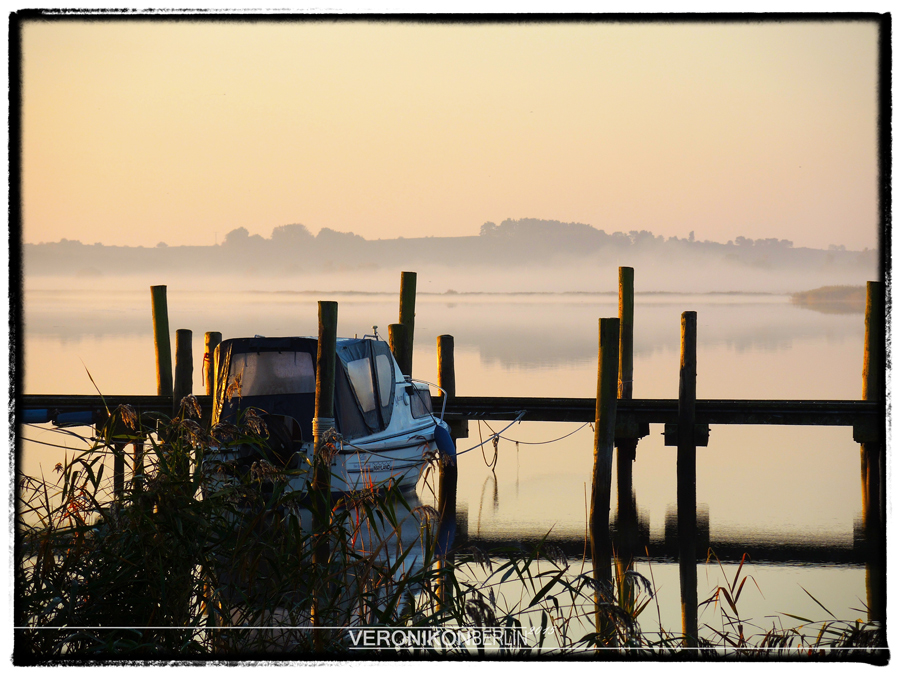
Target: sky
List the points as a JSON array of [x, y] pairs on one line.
[[139, 132]]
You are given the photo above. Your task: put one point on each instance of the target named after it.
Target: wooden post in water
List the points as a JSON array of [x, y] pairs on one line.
[[447, 382], [604, 428], [626, 332], [210, 341], [408, 317], [161, 341], [601, 480], [448, 475], [184, 368], [398, 336], [119, 470], [687, 477], [626, 447], [321, 484], [872, 454]]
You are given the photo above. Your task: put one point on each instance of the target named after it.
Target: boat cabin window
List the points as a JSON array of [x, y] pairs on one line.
[[419, 401], [268, 373], [360, 372], [384, 366]]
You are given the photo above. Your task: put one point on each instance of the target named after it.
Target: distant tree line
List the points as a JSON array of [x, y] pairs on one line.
[[294, 249]]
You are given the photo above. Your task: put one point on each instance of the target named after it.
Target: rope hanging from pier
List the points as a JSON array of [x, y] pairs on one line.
[[490, 438], [553, 440]]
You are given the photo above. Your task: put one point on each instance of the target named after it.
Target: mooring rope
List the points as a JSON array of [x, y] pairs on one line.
[[490, 438], [554, 440]]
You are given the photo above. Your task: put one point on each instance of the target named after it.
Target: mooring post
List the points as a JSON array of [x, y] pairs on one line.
[[408, 316], [161, 341], [687, 477], [321, 485], [447, 382], [872, 454], [448, 472], [601, 480], [119, 470], [398, 336], [626, 332], [625, 447], [137, 473], [211, 340], [604, 427], [184, 368]]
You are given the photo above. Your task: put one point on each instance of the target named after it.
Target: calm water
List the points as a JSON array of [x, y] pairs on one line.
[[758, 485]]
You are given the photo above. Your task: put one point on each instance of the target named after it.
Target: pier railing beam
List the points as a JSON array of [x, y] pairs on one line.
[[687, 477]]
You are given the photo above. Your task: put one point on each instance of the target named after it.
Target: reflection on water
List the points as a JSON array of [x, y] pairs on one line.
[[788, 495]]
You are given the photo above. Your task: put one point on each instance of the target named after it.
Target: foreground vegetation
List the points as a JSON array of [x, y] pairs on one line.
[[198, 558]]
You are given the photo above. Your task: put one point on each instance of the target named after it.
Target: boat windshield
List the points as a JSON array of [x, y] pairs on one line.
[[268, 373]]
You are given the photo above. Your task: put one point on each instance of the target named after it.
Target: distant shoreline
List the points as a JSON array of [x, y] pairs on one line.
[[833, 299]]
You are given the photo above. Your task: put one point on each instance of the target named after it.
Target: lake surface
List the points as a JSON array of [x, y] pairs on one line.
[[775, 487]]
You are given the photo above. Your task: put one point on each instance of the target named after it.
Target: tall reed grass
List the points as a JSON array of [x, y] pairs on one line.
[[196, 557]]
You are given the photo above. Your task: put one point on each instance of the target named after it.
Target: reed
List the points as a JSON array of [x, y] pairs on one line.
[[200, 558]]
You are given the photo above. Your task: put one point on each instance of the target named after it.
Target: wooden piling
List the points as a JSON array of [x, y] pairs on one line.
[[447, 382], [625, 447], [872, 454], [448, 472], [184, 367], [687, 477], [604, 428], [211, 340], [626, 332], [601, 481], [320, 490], [119, 470], [408, 315], [161, 340], [398, 335]]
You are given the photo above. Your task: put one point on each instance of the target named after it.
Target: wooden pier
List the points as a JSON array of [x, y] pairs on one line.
[[620, 421]]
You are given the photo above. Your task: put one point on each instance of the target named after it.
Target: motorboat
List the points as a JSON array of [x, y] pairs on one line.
[[386, 429]]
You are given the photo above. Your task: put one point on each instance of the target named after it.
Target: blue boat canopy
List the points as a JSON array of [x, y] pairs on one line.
[[277, 376]]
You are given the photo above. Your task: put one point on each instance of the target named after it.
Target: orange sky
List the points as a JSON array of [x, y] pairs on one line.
[[140, 132]]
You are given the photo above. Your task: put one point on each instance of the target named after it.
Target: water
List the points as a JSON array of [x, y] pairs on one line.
[[760, 486]]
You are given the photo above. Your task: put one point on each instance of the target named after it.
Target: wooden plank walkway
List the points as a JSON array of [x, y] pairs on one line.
[[867, 418]]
